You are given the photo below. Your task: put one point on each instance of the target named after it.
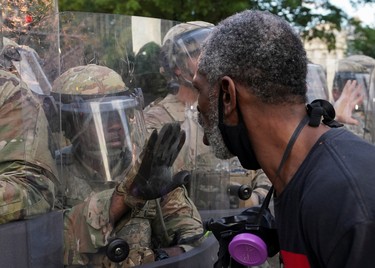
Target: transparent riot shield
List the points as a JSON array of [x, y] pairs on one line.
[[109, 71], [346, 70], [31, 219], [316, 80], [29, 183], [370, 110]]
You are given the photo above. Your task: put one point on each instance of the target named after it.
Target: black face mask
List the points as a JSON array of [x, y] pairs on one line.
[[236, 140]]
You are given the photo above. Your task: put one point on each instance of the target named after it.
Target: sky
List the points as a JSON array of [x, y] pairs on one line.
[[366, 13]]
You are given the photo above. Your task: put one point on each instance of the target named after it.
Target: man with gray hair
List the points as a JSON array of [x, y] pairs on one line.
[[252, 82]]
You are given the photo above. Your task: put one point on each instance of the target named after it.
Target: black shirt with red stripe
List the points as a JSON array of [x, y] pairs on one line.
[[326, 214]]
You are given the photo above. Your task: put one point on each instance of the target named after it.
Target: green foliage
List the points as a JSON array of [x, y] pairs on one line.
[[304, 15], [363, 40]]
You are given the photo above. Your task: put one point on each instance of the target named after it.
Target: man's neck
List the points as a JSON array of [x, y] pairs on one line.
[[273, 128]]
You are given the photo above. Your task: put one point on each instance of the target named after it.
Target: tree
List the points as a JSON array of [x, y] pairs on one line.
[[362, 40], [304, 15]]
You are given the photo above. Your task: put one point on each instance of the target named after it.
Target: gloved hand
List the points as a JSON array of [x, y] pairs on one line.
[[152, 177]]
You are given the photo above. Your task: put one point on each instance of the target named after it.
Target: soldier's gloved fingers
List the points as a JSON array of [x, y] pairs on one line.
[[170, 152], [147, 153], [166, 135], [168, 144], [175, 153]]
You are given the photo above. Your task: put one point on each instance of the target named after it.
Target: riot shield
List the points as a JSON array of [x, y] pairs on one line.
[[31, 221], [346, 70], [316, 83], [110, 70], [369, 64], [370, 111]]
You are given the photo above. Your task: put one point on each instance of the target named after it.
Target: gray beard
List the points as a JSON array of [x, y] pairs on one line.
[[213, 132]]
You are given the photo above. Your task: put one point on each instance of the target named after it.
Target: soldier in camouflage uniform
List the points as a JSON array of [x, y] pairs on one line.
[[97, 209], [27, 168], [180, 51]]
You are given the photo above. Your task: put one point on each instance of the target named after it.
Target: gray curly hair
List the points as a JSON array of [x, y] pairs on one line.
[[259, 50]]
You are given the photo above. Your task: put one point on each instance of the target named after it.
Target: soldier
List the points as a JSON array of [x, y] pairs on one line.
[[104, 125], [28, 178], [180, 51]]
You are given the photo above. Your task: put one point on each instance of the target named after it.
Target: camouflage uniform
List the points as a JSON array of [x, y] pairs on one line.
[[87, 225], [27, 180], [165, 222]]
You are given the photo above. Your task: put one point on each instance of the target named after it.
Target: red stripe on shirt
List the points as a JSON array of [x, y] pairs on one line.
[[294, 260]]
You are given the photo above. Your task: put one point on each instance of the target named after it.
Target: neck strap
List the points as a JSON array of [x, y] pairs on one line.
[[287, 151]]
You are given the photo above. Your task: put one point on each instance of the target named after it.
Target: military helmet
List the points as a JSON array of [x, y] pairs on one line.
[[92, 99], [182, 42], [89, 80]]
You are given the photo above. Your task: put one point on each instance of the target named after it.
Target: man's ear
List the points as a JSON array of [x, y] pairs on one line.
[[228, 95]]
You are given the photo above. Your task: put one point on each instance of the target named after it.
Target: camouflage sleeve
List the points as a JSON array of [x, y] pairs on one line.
[[26, 165], [156, 116], [260, 185], [182, 222], [87, 228], [25, 191]]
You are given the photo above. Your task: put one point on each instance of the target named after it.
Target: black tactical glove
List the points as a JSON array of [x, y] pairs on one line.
[[152, 178]]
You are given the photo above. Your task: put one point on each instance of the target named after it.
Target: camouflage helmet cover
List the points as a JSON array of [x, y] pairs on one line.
[[89, 80]]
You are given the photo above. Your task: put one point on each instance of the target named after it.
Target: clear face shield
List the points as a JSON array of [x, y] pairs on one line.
[[186, 51], [316, 83], [108, 134]]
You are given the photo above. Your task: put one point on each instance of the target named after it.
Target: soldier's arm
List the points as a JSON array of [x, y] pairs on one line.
[[260, 185], [87, 228], [183, 224], [27, 180], [25, 191]]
